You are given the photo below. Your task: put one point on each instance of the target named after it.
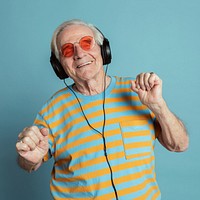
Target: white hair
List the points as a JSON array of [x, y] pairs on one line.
[[98, 36]]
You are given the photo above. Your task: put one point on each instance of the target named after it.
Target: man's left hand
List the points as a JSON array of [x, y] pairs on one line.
[[148, 86]]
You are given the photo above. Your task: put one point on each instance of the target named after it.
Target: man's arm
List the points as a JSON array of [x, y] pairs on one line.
[[173, 134]]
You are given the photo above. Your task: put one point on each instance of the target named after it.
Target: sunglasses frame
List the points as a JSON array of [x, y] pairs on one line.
[[64, 46]]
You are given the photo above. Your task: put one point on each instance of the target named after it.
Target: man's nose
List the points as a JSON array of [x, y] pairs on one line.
[[78, 51]]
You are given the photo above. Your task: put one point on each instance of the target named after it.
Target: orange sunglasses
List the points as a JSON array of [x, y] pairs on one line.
[[86, 43]]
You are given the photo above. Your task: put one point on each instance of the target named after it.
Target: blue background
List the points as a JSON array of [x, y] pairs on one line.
[[145, 35]]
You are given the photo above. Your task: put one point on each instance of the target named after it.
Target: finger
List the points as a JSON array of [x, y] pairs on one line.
[[20, 146], [37, 132], [154, 80], [33, 132], [44, 131], [34, 136], [133, 86], [29, 142], [146, 81], [23, 133], [138, 81], [25, 136]]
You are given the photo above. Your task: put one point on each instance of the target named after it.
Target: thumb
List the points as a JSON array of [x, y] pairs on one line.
[[44, 131], [44, 142]]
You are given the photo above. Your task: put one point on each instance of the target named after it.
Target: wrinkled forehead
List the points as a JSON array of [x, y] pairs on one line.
[[72, 33]]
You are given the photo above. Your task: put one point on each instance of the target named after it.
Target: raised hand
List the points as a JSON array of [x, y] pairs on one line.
[[32, 144], [148, 86]]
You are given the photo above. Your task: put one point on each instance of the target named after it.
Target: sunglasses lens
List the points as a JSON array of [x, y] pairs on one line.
[[86, 43], [67, 50]]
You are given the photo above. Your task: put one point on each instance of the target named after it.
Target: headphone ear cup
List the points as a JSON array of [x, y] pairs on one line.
[[106, 52], [57, 67]]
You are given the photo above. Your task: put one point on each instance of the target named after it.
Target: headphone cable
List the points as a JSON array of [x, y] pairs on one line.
[[103, 127]]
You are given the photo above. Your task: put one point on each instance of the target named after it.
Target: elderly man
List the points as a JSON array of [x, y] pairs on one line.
[[101, 130]]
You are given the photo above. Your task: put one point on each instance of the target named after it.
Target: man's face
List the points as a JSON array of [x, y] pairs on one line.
[[83, 65]]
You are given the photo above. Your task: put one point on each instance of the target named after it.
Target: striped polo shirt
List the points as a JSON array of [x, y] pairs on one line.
[[81, 170]]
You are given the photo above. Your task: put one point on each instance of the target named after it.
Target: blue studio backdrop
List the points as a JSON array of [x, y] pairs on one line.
[[162, 36]]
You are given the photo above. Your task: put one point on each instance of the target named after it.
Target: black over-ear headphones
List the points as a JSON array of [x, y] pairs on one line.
[[105, 53]]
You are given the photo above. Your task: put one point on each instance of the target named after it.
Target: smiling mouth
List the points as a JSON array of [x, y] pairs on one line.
[[84, 64]]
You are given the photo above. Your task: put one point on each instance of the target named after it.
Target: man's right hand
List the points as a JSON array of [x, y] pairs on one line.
[[32, 144]]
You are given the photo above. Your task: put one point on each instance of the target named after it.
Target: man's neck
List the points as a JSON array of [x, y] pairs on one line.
[[92, 87]]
